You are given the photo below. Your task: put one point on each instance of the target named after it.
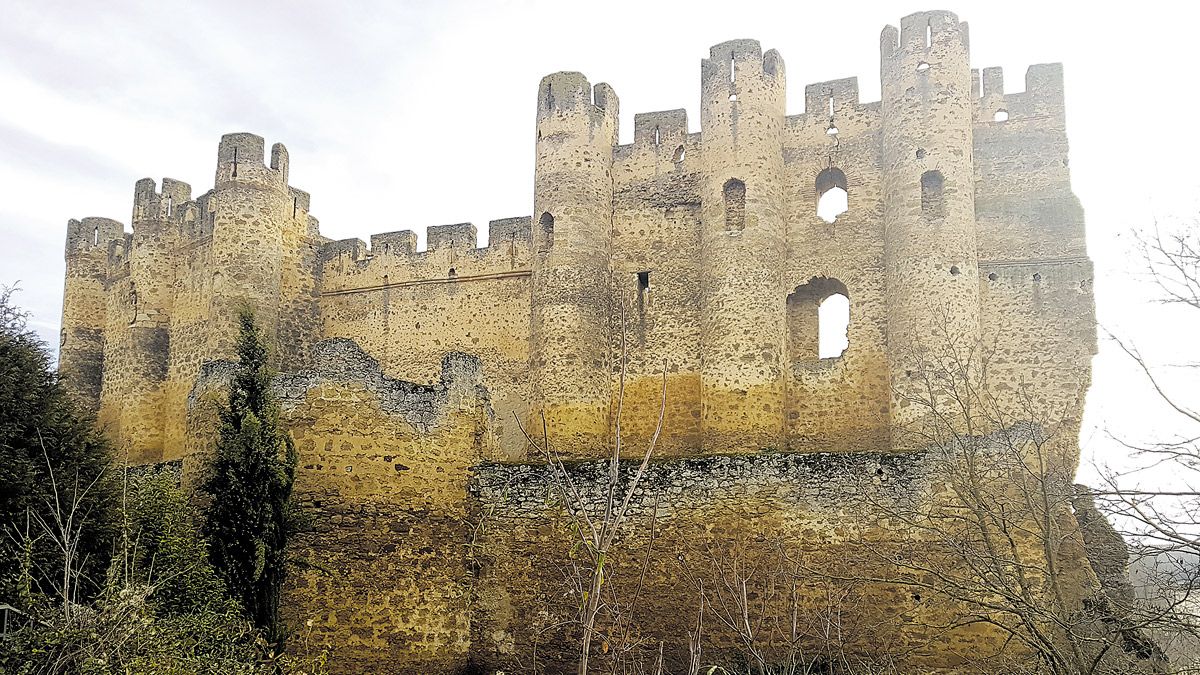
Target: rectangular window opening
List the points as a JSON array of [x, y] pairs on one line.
[[643, 281]]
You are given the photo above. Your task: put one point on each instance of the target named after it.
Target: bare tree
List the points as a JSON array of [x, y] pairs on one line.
[[1156, 501], [993, 543], [784, 619], [598, 526]]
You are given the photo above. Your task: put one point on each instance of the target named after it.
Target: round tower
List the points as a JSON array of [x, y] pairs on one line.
[[248, 209], [143, 347], [930, 256], [572, 206], [742, 318], [85, 307]]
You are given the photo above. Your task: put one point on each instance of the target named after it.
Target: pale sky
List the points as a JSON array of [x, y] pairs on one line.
[[408, 114]]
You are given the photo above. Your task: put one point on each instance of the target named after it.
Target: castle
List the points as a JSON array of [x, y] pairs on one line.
[[694, 258]]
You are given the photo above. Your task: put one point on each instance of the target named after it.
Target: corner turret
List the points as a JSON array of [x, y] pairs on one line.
[[85, 307]]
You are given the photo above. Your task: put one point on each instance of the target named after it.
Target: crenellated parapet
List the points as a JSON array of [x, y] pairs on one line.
[[1042, 99], [451, 256]]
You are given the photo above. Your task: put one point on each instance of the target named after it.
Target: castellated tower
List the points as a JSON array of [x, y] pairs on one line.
[[85, 306], [928, 175], [139, 341], [572, 231], [251, 205], [742, 247]]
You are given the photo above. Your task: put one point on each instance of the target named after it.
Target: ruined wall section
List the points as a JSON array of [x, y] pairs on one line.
[[382, 474], [823, 511], [656, 281], [1036, 284], [1024, 205], [838, 403], [408, 308]]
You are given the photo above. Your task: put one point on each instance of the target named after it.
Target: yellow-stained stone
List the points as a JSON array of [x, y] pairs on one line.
[[406, 375]]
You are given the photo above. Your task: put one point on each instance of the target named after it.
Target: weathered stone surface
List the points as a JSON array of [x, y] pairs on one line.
[[694, 260]]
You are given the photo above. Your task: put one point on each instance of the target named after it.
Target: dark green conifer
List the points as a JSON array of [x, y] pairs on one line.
[[250, 486]]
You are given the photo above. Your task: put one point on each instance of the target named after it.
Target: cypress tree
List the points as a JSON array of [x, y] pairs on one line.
[[250, 485]]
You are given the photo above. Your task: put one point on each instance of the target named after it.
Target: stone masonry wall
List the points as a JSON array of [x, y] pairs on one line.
[[694, 258], [381, 576]]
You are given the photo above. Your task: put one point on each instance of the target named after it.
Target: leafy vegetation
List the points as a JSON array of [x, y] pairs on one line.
[[108, 565], [43, 436]]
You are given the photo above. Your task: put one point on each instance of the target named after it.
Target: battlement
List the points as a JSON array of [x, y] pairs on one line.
[[403, 242], [92, 233], [830, 97], [1043, 95], [510, 230], [151, 204], [567, 92], [240, 159], [458, 235], [727, 61], [662, 128], [451, 255], [923, 32]]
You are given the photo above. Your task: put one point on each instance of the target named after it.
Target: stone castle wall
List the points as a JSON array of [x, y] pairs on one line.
[[691, 258]]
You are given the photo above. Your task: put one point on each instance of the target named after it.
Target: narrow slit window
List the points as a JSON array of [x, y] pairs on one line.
[[928, 35], [295, 206], [833, 195], [643, 282], [235, 162], [546, 226], [735, 205], [933, 204]]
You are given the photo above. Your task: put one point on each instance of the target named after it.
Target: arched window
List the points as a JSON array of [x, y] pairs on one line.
[[546, 225], [932, 202], [818, 320], [833, 324], [832, 194], [735, 205]]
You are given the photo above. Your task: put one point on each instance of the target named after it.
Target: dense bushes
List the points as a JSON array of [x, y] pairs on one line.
[[108, 564]]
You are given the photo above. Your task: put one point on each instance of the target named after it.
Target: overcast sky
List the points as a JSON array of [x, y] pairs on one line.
[[408, 114]]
